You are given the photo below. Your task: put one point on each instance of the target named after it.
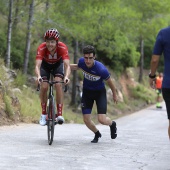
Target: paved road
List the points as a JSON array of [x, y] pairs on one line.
[[142, 144]]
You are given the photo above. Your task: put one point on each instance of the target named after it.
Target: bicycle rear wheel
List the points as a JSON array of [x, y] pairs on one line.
[[50, 120]]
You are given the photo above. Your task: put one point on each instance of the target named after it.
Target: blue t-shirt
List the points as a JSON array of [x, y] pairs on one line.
[[162, 45], [93, 77]]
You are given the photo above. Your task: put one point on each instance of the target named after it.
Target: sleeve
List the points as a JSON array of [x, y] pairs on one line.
[[158, 47], [104, 73], [40, 53], [64, 51], [80, 61]]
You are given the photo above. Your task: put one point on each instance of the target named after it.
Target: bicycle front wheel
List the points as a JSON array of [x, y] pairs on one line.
[[50, 120]]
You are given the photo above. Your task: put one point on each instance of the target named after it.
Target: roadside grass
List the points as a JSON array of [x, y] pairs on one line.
[[30, 108], [20, 80], [143, 93], [29, 105], [2, 71], [8, 107]]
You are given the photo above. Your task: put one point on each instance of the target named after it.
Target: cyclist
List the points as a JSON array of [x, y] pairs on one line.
[[52, 56], [95, 73], [158, 85]]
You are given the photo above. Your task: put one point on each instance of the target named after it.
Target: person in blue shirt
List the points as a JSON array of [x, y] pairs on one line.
[[162, 46], [95, 73]]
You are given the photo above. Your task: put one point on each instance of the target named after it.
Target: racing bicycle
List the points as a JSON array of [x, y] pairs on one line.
[[51, 109]]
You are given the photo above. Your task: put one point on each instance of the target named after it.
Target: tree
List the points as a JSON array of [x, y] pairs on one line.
[[28, 38], [148, 12], [74, 81], [115, 33], [16, 16], [8, 53]]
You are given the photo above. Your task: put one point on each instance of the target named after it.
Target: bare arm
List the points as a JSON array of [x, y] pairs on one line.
[[74, 66], [37, 68], [154, 65], [67, 70], [112, 87]]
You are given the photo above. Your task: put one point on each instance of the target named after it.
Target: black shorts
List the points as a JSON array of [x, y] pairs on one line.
[[57, 70], [88, 98], [166, 96]]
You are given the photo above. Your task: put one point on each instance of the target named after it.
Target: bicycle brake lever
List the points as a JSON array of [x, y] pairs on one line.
[[65, 88], [38, 87], [40, 81]]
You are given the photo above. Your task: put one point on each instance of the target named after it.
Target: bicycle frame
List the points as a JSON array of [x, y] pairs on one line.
[[51, 111]]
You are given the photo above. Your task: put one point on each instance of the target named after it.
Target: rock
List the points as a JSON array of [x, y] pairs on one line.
[[16, 90], [110, 95]]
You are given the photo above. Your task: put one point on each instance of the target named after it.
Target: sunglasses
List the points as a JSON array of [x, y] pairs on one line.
[[90, 58]]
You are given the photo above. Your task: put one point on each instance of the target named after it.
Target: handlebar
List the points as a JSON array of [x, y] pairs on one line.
[[38, 87], [53, 82]]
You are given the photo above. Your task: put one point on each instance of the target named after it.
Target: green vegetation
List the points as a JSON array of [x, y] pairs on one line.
[[143, 93], [31, 109], [117, 35], [29, 104], [20, 80], [8, 107]]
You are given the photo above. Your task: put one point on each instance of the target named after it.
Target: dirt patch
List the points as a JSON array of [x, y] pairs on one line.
[[126, 81]]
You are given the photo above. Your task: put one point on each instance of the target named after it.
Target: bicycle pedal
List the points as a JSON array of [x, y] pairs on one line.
[[60, 122]]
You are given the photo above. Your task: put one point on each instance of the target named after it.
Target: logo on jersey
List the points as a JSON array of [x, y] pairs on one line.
[[52, 57], [90, 76]]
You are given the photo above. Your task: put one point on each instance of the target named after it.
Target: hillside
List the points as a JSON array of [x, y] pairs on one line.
[[20, 103]]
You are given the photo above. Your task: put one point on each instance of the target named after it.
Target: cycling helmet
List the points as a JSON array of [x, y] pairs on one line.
[[52, 33]]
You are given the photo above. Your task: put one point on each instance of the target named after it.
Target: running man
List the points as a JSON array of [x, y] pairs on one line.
[[52, 56], [162, 46], [95, 73]]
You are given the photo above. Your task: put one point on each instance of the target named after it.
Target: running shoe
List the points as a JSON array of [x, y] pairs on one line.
[[96, 137], [43, 121], [60, 120], [113, 130]]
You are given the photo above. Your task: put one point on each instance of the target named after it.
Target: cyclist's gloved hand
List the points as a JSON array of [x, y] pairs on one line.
[[66, 80], [40, 80]]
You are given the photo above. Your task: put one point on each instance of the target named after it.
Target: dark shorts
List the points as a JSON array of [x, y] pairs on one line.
[[88, 98], [57, 70], [166, 96]]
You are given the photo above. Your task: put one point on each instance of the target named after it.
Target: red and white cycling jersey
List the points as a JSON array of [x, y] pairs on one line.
[[44, 54]]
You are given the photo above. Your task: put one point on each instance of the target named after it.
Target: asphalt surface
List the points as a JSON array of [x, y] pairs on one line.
[[142, 144]]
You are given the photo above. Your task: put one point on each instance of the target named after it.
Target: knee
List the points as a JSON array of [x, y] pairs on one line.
[[86, 120], [44, 87], [58, 86], [101, 120]]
